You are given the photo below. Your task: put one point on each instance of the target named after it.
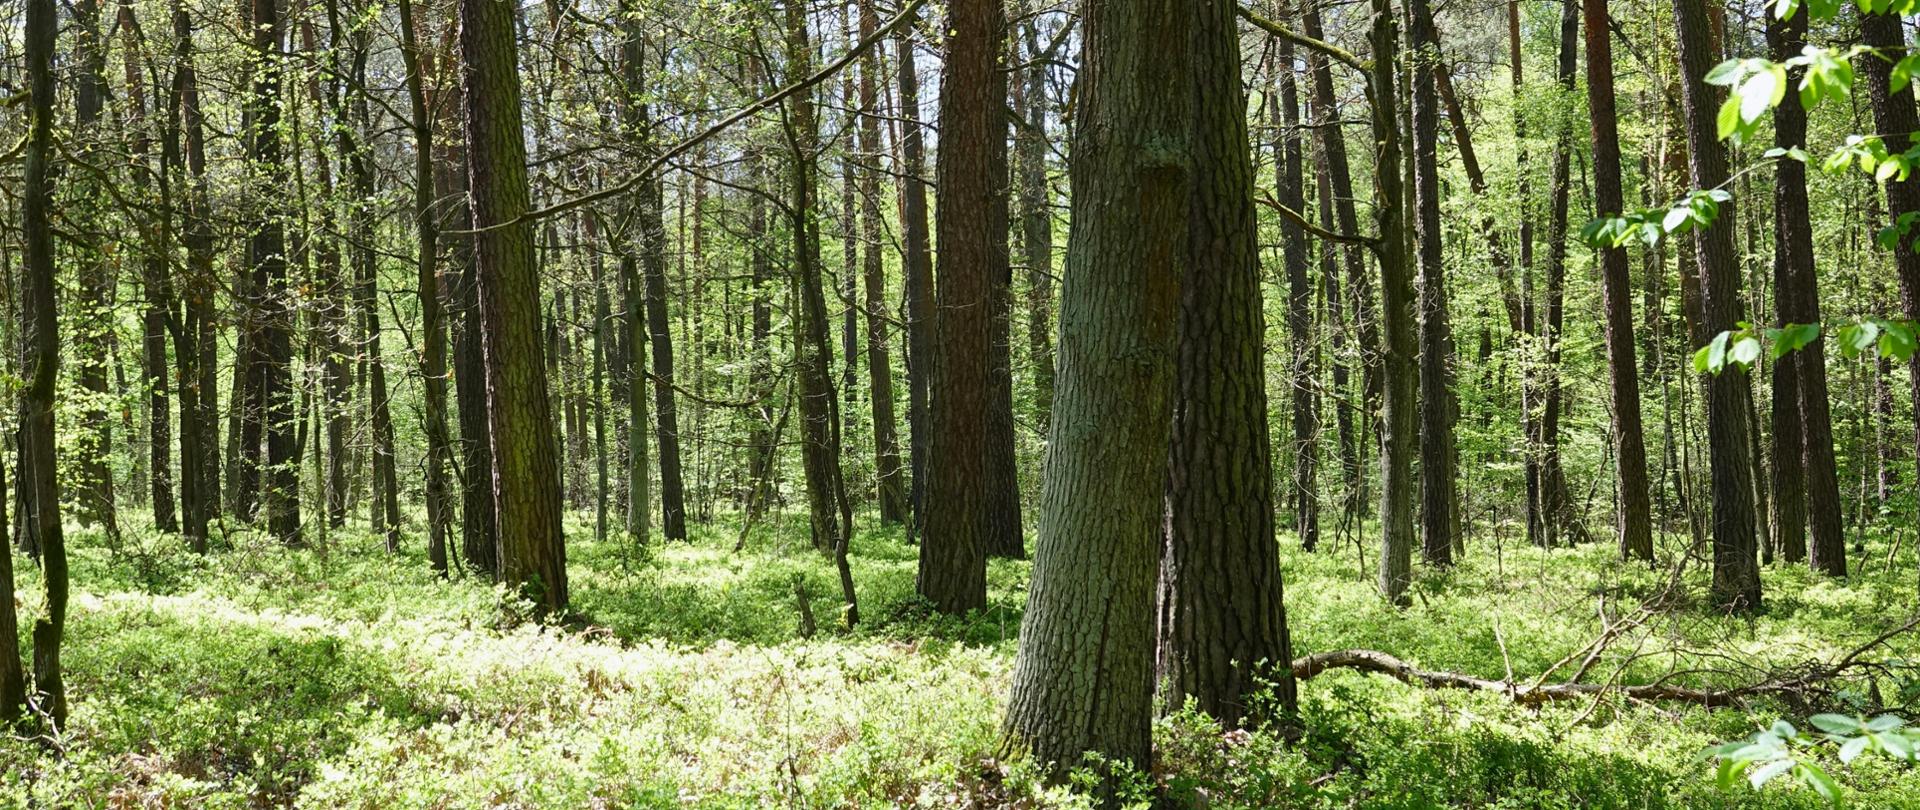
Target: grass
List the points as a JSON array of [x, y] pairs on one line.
[[345, 677]]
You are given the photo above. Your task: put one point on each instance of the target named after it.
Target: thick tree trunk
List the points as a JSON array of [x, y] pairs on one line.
[[972, 213], [1222, 625], [1083, 679], [526, 475], [1736, 575], [1893, 114], [1634, 520]]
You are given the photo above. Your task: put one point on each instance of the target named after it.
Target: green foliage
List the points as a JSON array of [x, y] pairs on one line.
[[1782, 749]]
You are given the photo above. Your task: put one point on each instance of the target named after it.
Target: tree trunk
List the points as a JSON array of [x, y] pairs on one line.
[[917, 263], [1796, 299], [1303, 496], [155, 276], [653, 265], [1083, 678], [272, 413], [1736, 575], [39, 369], [1634, 522], [1396, 316], [1893, 114], [886, 443], [1036, 219], [433, 355], [1359, 288], [526, 475], [1222, 622], [634, 117], [92, 448], [194, 347], [829, 510], [971, 214], [1439, 483]]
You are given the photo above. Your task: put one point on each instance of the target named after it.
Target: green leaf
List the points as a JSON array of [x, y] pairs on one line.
[[1676, 220], [1724, 74], [1885, 723], [1819, 781], [1793, 337], [1835, 723], [1728, 122], [1745, 351], [1703, 359], [1765, 773], [1852, 749]]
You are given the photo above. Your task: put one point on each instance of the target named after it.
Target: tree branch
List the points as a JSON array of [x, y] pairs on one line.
[[1338, 53], [1297, 219]]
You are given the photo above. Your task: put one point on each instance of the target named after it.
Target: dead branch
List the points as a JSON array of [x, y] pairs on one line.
[[1810, 679]]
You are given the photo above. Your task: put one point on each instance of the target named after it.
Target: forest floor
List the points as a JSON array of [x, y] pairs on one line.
[[342, 677]]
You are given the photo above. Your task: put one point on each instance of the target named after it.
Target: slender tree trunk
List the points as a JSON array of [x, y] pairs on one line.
[[272, 350], [886, 444], [820, 410], [653, 264], [917, 263], [92, 448], [1083, 679], [39, 368], [194, 348], [1736, 576], [1439, 483], [1359, 287], [1303, 496], [1036, 219], [155, 276], [1634, 521], [1222, 621], [1396, 317], [433, 355], [526, 475]]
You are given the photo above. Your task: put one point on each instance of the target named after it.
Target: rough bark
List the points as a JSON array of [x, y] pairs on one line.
[[1036, 218], [1083, 678], [1222, 624], [433, 354], [1439, 481], [1397, 488], [526, 474], [971, 213], [1634, 520], [1736, 575]]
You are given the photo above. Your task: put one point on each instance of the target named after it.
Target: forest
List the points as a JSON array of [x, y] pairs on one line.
[[959, 403]]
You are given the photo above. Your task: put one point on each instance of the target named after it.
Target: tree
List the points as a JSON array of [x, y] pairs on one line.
[[272, 345], [1036, 212], [971, 167], [1634, 524], [1083, 677], [1222, 620], [1396, 317], [1303, 495], [1797, 300], [1439, 484], [99, 281], [155, 275], [886, 445], [1736, 575], [526, 473], [433, 356], [917, 262], [39, 367], [184, 149], [831, 515]]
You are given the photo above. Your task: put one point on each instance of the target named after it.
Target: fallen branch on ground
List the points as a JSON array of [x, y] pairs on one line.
[[1802, 681]]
